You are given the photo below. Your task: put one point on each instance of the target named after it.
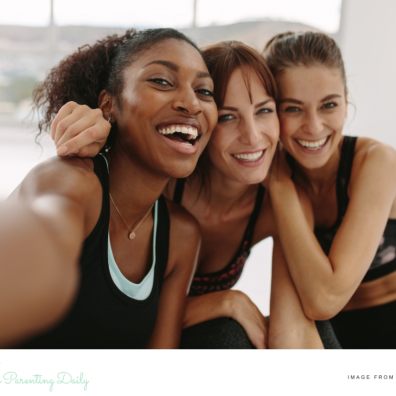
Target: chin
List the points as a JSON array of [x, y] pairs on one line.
[[253, 178], [312, 165], [183, 170]]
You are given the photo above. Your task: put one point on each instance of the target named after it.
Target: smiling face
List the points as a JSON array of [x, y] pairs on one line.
[[166, 111], [244, 140], [312, 113]]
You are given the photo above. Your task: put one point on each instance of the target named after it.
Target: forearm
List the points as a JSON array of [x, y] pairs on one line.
[[288, 325], [37, 285], [292, 336], [313, 274]]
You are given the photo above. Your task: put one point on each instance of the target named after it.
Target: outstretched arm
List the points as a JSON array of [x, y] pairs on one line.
[[326, 283], [42, 228]]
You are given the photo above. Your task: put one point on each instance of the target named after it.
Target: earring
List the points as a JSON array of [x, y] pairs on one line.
[[109, 119]]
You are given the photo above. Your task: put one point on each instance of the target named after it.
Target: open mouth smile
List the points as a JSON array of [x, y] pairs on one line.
[[249, 157], [181, 133], [313, 145]]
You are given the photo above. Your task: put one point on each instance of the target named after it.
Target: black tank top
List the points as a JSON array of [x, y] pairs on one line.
[[385, 258], [102, 316], [225, 278]]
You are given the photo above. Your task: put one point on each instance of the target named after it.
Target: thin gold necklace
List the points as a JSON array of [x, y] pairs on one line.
[[131, 231]]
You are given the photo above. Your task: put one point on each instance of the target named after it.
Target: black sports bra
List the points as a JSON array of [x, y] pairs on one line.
[[225, 278]]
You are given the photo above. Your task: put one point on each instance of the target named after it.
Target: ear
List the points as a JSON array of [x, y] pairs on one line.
[[105, 103]]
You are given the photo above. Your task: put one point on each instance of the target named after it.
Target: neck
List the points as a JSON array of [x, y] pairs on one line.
[[223, 195], [320, 179], [133, 186]]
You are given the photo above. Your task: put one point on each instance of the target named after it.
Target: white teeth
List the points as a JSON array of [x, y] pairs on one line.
[[312, 144], [190, 131], [249, 156]]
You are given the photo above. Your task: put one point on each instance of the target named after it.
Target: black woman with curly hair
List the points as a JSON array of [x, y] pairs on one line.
[[91, 253]]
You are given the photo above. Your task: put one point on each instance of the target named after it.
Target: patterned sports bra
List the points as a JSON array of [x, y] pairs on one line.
[[385, 258], [225, 278]]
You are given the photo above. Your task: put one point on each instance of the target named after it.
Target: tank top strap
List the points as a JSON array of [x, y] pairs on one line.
[[344, 174], [253, 217], [162, 246], [179, 190], [101, 171]]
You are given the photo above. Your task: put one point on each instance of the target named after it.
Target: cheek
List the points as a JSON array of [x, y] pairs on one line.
[[211, 116], [218, 144], [287, 126], [340, 122], [275, 130]]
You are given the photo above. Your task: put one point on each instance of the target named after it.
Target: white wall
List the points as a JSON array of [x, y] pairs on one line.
[[367, 38]]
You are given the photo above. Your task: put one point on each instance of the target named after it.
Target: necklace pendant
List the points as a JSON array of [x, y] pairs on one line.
[[131, 235]]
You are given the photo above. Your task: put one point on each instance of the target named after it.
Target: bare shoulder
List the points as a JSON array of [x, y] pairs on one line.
[[183, 222], [373, 169], [184, 240], [265, 225], [375, 152]]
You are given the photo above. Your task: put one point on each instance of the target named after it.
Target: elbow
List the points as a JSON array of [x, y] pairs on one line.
[[323, 307]]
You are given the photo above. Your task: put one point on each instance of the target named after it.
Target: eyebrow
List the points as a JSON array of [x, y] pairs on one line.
[[332, 96], [299, 102], [174, 67], [231, 108]]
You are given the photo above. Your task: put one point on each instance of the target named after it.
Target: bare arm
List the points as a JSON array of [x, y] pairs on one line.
[[288, 325], [185, 241], [326, 283], [41, 231]]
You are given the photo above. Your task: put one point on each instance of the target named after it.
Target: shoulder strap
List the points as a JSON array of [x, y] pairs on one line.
[[344, 173], [179, 189], [253, 217], [162, 240], [96, 241]]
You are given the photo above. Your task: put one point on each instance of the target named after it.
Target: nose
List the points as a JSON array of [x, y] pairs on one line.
[[313, 123], [251, 131], [186, 101]]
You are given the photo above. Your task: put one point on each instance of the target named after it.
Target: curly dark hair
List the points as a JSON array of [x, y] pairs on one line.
[[81, 76]]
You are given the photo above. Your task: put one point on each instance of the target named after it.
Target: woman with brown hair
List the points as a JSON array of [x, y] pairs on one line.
[[342, 256]]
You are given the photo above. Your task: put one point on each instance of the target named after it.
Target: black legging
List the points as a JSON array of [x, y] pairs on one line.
[[226, 333], [221, 333]]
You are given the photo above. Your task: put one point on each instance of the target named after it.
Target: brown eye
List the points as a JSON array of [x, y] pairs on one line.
[[205, 92], [291, 109], [329, 105], [160, 82], [265, 110], [225, 118]]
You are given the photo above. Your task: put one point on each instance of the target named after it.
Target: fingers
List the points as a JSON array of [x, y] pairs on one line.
[[251, 319], [78, 122], [79, 129], [64, 111], [86, 144]]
